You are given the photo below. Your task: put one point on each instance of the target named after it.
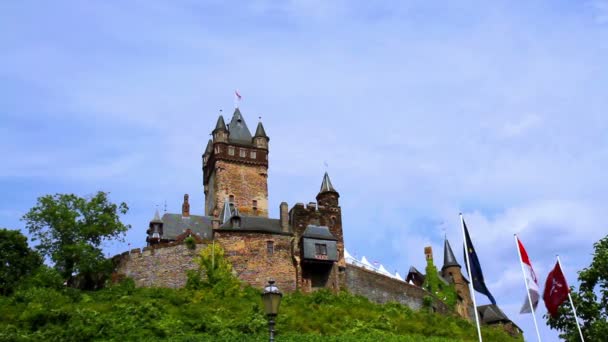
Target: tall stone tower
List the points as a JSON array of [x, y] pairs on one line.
[[235, 168], [452, 272]]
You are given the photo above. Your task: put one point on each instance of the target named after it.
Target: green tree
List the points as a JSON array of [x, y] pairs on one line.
[[17, 260], [214, 271], [70, 230], [591, 301]]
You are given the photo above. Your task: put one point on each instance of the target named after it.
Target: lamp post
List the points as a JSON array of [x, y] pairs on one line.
[[271, 297]]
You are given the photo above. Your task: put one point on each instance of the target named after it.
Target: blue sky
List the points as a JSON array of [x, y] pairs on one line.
[[421, 109]]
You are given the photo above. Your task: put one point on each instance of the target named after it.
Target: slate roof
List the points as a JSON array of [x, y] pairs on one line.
[[491, 313], [318, 232], [175, 224], [326, 185], [260, 132], [209, 147], [239, 133], [254, 223], [220, 125], [448, 255]]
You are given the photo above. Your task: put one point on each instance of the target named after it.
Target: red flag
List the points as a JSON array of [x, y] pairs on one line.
[[531, 280], [556, 290]]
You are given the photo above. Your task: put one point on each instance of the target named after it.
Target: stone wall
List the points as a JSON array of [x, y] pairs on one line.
[[249, 255], [161, 266], [382, 289], [243, 181]]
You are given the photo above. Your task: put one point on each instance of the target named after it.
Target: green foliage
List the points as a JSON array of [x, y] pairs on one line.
[[190, 242], [592, 311], [215, 272], [17, 260], [445, 292], [70, 230], [123, 312]]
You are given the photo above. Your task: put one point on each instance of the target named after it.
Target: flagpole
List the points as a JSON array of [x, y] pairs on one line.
[[466, 254], [527, 288], [572, 304]]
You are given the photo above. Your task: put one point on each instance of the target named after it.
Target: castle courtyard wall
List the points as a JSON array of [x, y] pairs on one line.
[[162, 266], [383, 289]]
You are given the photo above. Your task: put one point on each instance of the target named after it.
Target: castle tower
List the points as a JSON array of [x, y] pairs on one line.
[[452, 271], [155, 230], [235, 168]]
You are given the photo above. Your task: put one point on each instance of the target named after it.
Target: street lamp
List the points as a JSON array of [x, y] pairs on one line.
[[271, 297]]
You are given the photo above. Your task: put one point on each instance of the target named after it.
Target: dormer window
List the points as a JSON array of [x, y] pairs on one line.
[[230, 150]]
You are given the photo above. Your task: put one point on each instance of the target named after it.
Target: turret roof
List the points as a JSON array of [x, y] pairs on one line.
[[220, 125], [239, 133], [259, 131], [448, 255], [326, 184]]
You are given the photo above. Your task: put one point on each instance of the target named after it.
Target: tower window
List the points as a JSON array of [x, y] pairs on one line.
[[217, 149], [230, 150], [242, 153], [252, 155], [320, 249], [270, 247], [255, 203]]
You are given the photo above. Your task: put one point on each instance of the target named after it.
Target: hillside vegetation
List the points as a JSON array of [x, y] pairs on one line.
[[125, 313]]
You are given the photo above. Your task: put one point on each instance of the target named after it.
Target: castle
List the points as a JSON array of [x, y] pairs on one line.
[[301, 250]]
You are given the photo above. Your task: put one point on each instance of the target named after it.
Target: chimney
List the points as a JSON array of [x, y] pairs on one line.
[[428, 252], [186, 207], [284, 217]]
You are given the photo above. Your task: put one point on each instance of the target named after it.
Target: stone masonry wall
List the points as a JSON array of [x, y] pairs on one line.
[[158, 267], [248, 253], [382, 289], [245, 182]]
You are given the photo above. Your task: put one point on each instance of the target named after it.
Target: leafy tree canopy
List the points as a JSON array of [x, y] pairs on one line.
[[591, 301], [17, 260], [70, 230]]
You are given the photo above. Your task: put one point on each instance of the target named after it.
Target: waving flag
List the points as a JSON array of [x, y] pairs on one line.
[[556, 290], [476, 275], [531, 280]]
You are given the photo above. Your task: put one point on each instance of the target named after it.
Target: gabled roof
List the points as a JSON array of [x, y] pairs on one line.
[[448, 255], [239, 133], [326, 184], [259, 131], [318, 232], [175, 224]]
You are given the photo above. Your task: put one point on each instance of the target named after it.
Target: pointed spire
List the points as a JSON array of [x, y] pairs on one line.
[[239, 132], [156, 217], [209, 148], [448, 255], [260, 132], [326, 185], [221, 125]]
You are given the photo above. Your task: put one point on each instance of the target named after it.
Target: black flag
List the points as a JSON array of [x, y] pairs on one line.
[[476, 275]]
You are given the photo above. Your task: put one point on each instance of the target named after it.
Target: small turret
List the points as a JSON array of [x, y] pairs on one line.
[[220, 133], [328, 196], [155, 230], [260, 139], [449, 260], [452, 272]]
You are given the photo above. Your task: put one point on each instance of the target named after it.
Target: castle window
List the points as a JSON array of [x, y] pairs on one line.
[[230, 150], [255, 203], [231, 200], [270, 247], [320, 249], [252, 155], [217, 149], [255, 207], [242, 153]]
